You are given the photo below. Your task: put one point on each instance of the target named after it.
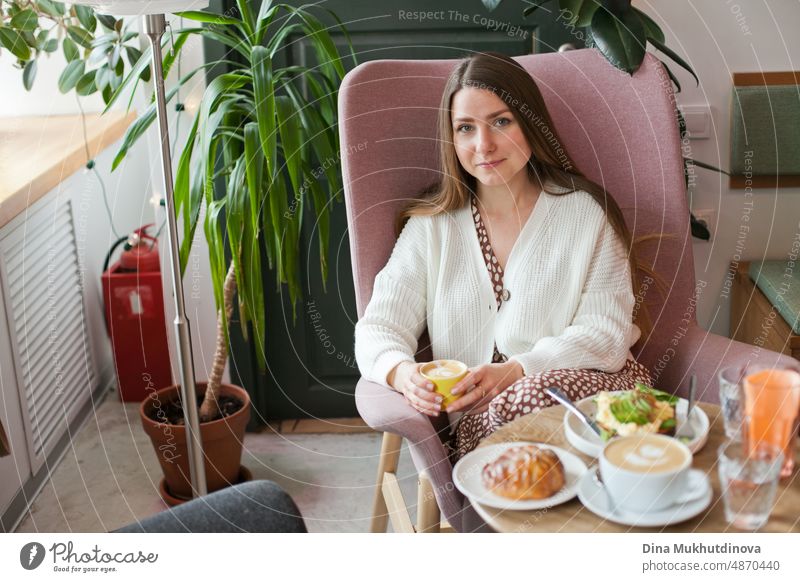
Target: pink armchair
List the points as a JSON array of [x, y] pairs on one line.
[[621, 131]]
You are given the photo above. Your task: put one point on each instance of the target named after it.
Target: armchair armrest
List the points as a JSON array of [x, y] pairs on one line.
[[704, 353]]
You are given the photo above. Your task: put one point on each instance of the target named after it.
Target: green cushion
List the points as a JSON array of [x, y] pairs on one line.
[[780, 282], [766, 122]]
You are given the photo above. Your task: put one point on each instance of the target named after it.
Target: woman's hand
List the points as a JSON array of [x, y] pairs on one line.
[[482, 383], [419, 392]]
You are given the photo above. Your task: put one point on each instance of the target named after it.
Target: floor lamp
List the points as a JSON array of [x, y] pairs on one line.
[[153, 12]]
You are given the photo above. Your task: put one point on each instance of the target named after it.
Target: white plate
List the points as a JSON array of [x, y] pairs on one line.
[[586, 441], [467, 477], [594, 498]]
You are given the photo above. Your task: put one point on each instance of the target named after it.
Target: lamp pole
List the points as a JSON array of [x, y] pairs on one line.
[[155, 25]]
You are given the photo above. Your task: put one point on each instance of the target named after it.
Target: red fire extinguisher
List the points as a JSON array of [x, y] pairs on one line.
[[134, 307]]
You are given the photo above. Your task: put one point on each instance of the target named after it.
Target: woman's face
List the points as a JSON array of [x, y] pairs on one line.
[[489, 142]]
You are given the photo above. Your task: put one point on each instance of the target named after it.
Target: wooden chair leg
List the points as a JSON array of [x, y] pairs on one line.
[[398, 510], [390, 456], [428, 514]]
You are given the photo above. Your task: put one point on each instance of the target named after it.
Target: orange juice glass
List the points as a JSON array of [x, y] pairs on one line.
[[772, 401]]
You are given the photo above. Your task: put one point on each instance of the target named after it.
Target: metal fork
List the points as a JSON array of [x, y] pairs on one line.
[[685, 431]]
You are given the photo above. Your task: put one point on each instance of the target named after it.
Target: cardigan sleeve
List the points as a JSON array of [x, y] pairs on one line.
[[602, 329], [395, 317]]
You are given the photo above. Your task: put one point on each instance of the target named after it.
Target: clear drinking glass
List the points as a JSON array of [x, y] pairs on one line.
[[749, 479], [730, 400]]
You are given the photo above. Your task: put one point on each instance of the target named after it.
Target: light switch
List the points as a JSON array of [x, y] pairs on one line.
[[698, 121]]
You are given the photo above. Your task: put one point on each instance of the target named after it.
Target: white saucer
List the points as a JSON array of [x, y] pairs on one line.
[[594, 498], [586, 441], [467, 477]]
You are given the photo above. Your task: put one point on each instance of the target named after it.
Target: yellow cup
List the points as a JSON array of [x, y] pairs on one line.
[[444, 374]]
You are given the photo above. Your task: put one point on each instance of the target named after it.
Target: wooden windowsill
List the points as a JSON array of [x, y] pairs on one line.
[[38, 153]]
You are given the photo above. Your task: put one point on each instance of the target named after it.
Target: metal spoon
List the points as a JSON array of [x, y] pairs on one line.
[[598, 478], [558, 395]]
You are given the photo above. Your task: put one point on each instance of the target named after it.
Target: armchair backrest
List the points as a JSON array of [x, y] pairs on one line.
[[620, 130]]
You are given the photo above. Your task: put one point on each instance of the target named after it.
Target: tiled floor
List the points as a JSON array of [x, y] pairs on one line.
[[110, 475]]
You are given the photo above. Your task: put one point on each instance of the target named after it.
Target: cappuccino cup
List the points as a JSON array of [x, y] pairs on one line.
[[444, 374], [645, 473]]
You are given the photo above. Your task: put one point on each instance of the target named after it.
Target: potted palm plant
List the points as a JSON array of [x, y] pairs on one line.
[[261, 137]]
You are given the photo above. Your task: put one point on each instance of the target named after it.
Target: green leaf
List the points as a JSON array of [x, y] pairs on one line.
[[106, 40], [70, 50], [254, 292], [254, 168], [577, 12], [323, 44], [15, 43], [172, 55], [99, 54], [277, 211], [671, 54], [320, 136], [265, 15], [51, 45], [137, 128], [248, 19], [29, 74], [80, 36], [265, 105], [108, 21], [85, 17], [291, 143], [132, 77], [672, 77], [324, 99], [291, 139], [70, 76], [322, 226], [133, 55], [102, 78], [86, 84], [184, 206], [216, 252], [651, 29], [532, 6], [198, 16], [54, 9], [116, 60], [620, 38], [25, 20], [235, 216]]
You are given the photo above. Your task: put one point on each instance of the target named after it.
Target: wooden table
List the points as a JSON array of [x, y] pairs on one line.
[[547, 426]]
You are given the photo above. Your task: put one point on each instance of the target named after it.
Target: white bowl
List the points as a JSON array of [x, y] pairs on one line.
[[586, 441]]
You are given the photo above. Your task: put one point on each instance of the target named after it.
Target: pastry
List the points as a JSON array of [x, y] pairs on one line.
[[525, 472]]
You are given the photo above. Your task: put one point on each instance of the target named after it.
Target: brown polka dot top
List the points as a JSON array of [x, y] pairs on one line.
[[492, 266]]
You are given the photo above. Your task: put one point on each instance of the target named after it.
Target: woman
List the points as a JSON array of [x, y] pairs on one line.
[[518, 265]]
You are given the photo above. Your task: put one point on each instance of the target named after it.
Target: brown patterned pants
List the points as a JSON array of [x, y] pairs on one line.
[[527, 395]]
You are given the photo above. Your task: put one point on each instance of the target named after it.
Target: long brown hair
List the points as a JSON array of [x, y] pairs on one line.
[[549, 163]]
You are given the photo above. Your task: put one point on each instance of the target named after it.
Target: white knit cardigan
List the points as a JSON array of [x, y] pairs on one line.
[[568, 276]]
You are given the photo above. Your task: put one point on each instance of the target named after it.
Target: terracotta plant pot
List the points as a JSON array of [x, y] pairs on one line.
[[222, 441]]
